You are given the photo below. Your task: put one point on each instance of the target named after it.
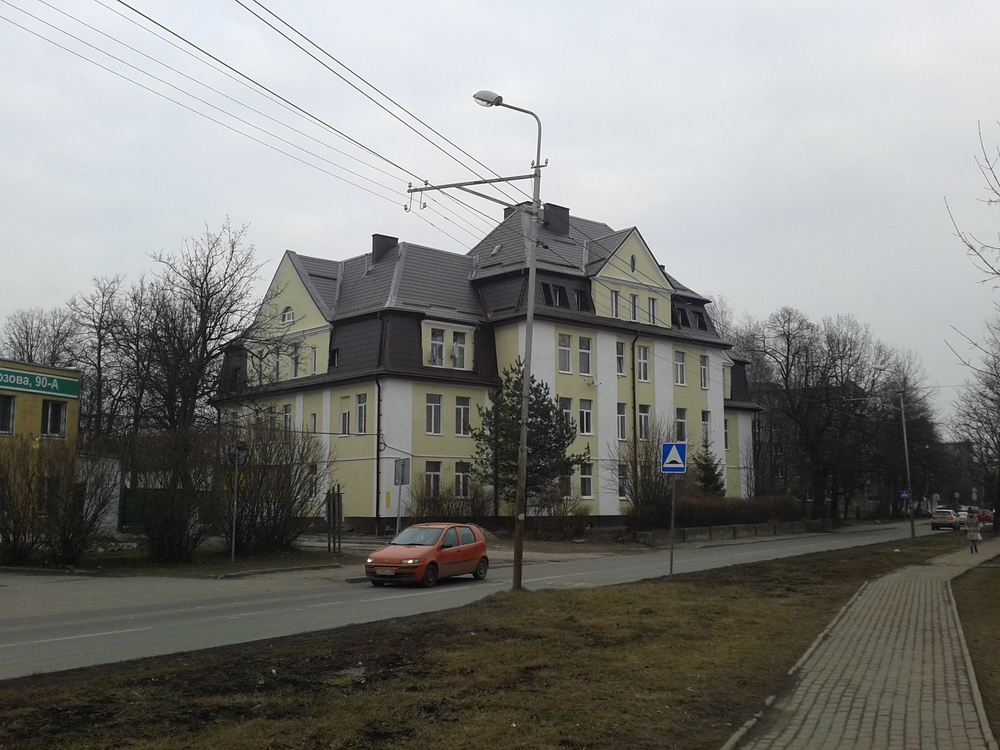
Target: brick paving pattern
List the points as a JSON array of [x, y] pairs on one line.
[[891, 673]]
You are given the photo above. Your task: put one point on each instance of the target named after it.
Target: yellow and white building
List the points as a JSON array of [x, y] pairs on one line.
[[37, 401], [390, 355]]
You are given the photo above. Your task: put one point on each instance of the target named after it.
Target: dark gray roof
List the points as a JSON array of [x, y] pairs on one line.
[[406, 277]]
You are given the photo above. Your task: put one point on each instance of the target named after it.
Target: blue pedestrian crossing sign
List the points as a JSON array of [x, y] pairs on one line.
[[673, 458]]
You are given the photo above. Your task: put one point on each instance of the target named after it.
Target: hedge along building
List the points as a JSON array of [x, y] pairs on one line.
[[391, 355], [38, 401]]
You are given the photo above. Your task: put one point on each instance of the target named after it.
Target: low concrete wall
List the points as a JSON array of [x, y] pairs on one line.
[[661, 538]]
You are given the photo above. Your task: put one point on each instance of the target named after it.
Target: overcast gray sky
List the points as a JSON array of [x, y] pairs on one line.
[[775, 153]]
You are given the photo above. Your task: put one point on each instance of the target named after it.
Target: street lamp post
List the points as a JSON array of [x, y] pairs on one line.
[[490, 99]]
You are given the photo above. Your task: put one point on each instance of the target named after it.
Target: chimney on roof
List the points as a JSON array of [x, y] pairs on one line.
[[557, 219], [382, 244], [508, 210]]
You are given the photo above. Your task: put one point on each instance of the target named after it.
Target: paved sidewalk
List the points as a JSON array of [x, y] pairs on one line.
[[892, 672]]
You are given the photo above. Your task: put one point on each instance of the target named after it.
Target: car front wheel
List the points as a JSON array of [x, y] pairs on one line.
[[430, 578], [482, 567]]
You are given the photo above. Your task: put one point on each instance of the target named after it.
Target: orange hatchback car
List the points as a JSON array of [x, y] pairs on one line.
[[426, 552]]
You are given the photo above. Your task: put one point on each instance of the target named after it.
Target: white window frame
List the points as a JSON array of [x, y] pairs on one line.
[[725, 434], [287, 316], [645, 421], [566, 407], [633, 307], [615, 304], [680, 426], [458, 350], [54, 424], [463, 416], [315, 359], [361, 404], [706, 425], [345, 416], [622, 420], [620, 358], [463, 479], [437, 347], [587, 480], [586, 426], [432, 478], [703, 370], [286, 419], [584, 346], [680, 368], [642, 357], [622, 481], [565, 353], [652, 311], [433, 413]]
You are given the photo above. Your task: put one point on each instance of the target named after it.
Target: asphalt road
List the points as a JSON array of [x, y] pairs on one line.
[[52, 623]]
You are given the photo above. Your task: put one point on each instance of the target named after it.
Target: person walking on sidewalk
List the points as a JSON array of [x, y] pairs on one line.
[[972, 531]]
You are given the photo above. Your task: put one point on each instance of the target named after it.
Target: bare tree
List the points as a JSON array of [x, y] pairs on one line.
[[44, 337]]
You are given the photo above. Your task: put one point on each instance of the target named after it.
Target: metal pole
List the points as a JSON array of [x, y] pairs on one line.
[[673, 509], [906, 453], [236, 491], [520, 508]]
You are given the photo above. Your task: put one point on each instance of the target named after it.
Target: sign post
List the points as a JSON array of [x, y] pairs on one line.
[[238, 456], [673, 460], [400, 477]]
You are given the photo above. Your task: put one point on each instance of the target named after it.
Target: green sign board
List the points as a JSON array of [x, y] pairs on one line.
[[37, 382]]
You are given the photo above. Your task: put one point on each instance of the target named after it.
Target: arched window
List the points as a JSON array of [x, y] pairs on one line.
[[633, 264], [288, 315]]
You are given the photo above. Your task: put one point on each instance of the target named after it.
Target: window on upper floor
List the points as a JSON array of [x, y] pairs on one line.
[[583, 301], [680, 426], [725, 434], [699, 320], [586, 424], [458, 350], [645, 419], [345, 415], [642, 364], [679, 317], [703, 370], [633, 307], [652, 311], [287, 316], [555, 295], [566, 407], [622, 421], [433, 414], [361, 404], [620, 358], [615, 305], [565, 352], [583, 344], [463, 415], [314, 358], [334, 357], [437, 347], [706, 427], [680, 368]]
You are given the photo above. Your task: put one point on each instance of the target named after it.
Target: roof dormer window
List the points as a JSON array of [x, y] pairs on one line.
[[287, 316]]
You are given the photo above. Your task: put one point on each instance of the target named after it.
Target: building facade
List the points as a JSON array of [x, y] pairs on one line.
[[391, 355], [37, 401]]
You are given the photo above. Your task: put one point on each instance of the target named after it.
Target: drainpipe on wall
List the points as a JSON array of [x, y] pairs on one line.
[[635, 417], [378, 427]]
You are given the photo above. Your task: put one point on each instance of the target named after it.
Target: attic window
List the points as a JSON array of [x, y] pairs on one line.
[[583, 301], [287, 316], [699, 319], [679, 317], [555, 295]]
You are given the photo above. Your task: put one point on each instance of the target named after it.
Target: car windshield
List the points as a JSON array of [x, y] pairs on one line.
[[418, 536]]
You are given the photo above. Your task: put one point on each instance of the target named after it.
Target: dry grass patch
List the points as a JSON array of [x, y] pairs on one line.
[[977, 594], [649, 665]]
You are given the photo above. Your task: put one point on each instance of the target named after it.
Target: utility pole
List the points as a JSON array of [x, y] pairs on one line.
[[490, 99]]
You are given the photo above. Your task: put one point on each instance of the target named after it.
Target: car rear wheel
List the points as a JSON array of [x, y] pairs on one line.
[[482, 567], [430, 578]]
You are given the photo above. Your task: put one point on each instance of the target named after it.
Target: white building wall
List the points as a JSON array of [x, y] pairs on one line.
[[606, 434], [397, 432]]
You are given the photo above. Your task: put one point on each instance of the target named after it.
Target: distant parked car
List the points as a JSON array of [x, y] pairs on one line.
[[945, 517], [985, 516], [426, 552]]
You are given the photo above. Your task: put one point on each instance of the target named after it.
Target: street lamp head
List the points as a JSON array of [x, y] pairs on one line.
[[486, 98]]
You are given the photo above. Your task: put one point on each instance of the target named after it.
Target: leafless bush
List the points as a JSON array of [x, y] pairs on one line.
[[554, 516]]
